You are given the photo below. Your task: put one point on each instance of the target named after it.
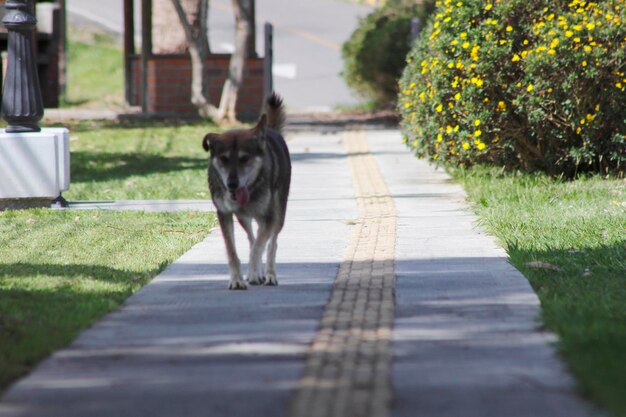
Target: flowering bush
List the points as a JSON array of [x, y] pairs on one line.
[[374, 54], [528, 84]]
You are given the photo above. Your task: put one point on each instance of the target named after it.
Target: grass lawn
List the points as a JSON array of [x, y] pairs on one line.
[[62, 270], [95, 70], [131, 161], [569, 239]]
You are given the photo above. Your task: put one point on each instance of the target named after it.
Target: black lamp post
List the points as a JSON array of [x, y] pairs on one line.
[[22, 106]]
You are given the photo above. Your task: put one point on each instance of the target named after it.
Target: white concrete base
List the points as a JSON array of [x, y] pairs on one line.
[[34, 165]]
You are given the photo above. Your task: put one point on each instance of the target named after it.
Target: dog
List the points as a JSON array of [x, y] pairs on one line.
[[249, 176]]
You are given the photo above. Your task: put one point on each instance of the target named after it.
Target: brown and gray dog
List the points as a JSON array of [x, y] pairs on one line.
[[249, 176]]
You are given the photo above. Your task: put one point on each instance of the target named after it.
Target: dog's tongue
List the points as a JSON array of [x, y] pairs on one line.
[[242, 196]]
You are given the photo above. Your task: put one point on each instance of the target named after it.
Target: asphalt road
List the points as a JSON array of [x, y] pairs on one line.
[[307, 43]]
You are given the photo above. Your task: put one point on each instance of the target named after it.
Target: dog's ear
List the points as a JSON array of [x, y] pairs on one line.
[[208, 140], [261, 129]]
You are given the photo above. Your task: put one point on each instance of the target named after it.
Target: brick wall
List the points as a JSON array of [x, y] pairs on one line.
[[169, 84]]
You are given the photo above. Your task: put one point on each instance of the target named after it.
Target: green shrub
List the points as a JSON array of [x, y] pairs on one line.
[[536, 85], [374, 54]]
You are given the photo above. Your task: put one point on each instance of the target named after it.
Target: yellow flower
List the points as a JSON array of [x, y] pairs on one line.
[[480, 146], [530, 88], [407, 105], [439, 137], [457, 96], [501, 106], [465, 45], [584, 63], [587, 48], [618, 84], [466, 145], [591, 26], [509, 28], [439, 108], [515, 58], [488, 6], [569, 33], [448, 129], [477, 122], [477, 133], [554, 43], [590, 117]]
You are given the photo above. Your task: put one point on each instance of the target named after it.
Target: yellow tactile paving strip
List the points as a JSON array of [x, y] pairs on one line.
[[347, 373]]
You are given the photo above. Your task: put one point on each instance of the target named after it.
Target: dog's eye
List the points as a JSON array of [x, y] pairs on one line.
[[243, 159], [224, 159]]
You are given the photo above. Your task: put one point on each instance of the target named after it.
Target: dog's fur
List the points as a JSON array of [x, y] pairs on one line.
[[249, 176]]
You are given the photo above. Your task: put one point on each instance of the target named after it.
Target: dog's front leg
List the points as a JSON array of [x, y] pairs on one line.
[[254, 271], [226, 224], [255, 266], [270, 264]]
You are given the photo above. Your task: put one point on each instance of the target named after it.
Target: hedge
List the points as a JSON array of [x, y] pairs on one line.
[[532, 85], [374, 55]]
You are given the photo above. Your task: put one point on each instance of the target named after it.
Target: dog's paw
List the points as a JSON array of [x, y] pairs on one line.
[[256, 280], [237, 284], [271, 280]]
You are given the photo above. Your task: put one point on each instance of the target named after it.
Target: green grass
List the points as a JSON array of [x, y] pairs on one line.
[[131, 161], [62, 270], [95, 71], [578, 228]]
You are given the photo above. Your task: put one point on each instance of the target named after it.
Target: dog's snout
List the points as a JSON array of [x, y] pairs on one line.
[[233, 183]]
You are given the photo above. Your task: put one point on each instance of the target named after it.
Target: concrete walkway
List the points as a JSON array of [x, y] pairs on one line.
[[390, 303]]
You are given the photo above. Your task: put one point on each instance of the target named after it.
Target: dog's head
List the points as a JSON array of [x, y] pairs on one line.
[[237, 156]]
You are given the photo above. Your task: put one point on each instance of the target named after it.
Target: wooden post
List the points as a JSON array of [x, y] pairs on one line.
[[268, 60], [129, 48], [146, 49], [22, 105]]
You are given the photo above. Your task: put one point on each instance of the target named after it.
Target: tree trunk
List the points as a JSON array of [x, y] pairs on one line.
[[244, 48], [197, 39]]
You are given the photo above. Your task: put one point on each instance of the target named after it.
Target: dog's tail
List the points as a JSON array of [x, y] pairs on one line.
[[275, 112]]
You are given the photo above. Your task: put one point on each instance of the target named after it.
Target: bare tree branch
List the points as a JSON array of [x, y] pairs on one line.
[[243, 10]]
